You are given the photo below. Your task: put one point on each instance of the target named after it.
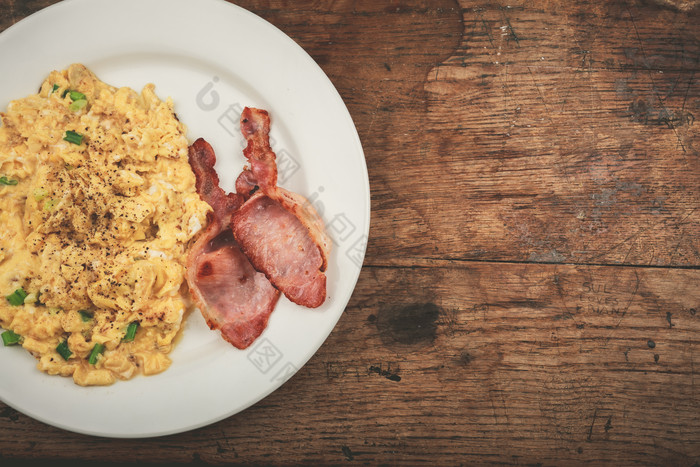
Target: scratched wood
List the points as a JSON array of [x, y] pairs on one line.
[[530, 293]]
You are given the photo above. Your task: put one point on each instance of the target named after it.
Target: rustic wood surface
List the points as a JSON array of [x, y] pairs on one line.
[[531, 290]]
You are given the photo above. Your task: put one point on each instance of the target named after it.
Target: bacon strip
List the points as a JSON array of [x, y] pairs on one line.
[[231, 295], [279, 245], [246, 184], [279, 231]]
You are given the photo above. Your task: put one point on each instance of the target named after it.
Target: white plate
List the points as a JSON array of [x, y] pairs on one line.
[[212, 58]]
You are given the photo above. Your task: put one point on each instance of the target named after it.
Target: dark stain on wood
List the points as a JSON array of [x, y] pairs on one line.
[[413, 325], [645, 111], [388, 373], [608, 425]]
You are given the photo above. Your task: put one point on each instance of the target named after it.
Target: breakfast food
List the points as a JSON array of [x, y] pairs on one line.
[[231, 295], [277, 229], [260, 239], [98, 207]]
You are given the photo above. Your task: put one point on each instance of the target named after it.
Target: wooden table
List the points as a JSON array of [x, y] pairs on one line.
[[531, 290]]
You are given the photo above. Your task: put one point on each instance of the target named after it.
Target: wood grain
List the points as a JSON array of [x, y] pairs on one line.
[[520, 364], [530, 292], [532, 120]]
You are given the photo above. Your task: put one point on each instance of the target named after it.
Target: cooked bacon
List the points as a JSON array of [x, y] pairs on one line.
[[259, 241], [202, 159], [277, 243], [279, 231], [246, 185], [232, 296], [255, 126]]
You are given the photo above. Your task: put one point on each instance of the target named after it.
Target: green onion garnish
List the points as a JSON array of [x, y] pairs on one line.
[[8, 181], [76, 96], [10, 338], [131, 331], [17, 297], [65, 93], [40, 193], [31, 298], [54, 89], [49, 204], [77, 105], [85, 315], [73, 137], [96, 350], [63, 350]]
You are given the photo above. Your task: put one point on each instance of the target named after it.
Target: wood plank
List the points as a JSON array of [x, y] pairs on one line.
[[569, 133], [551, 134], [469, 363]]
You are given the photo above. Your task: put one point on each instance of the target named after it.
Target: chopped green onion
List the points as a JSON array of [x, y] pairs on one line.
[[65, 93], [54, 89], [131, 331], [96, 350], [40, 193], [77, 105], [73, 137], [63, 350], [49, 204], [76, 96], [31, 298], [10, 338], [8, 181], [85, 315], [17, 297]]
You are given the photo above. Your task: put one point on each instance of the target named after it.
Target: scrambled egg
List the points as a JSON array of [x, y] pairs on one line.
[[98, 208]]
